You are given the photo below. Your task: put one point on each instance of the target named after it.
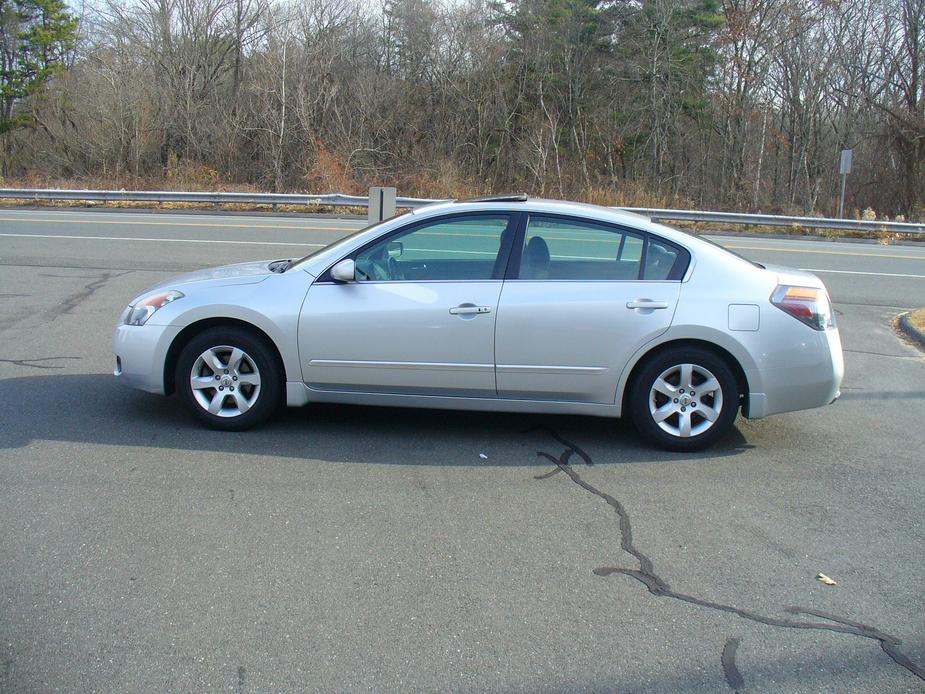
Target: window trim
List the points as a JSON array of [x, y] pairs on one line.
[[504, 252], [676, 274]]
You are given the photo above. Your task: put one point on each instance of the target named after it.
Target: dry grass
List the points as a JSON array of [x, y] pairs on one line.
[[917, 320]]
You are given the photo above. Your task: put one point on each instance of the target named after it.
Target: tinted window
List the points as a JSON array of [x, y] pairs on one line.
[[562, 249], [463, 248]]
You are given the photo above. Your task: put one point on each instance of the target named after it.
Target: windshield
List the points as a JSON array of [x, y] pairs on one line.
[[343, 241]]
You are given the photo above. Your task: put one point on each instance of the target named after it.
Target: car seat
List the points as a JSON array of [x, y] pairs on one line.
[[536, 260]]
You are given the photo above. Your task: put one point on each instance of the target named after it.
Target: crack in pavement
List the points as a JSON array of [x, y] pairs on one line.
[[71, 302], [881, 354], [658, 587], [728, 659], [25, 362], [571, 449]]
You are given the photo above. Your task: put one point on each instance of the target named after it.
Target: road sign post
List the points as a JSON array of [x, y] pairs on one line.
[[381, 204], [844, 169]]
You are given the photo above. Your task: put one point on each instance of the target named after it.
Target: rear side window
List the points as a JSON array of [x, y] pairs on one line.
[[565, 249], [661, 259]]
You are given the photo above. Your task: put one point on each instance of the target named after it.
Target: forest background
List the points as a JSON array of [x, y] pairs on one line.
[[735, 104]]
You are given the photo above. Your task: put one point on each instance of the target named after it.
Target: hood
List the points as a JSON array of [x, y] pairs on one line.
[[793, 276], [225, 275]]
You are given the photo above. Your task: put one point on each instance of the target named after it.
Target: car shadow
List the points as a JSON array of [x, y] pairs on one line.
[[93, 408]]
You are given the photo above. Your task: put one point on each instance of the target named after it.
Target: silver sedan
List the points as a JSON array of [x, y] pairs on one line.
[[501, 304]]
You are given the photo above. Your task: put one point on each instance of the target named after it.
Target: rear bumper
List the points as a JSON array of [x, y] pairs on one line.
[[140, 354], [811, 378]]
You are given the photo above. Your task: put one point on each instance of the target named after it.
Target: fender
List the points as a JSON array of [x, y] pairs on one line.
[[677, 333], [273, 306]]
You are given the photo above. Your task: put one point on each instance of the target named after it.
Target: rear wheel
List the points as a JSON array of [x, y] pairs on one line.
[[684, 399], [229, 378]]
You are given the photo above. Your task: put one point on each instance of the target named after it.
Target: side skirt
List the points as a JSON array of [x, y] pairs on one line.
[[298, 394]]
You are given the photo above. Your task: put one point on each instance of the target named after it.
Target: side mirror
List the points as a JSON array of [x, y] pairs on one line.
[[344, 271], [395, 248]]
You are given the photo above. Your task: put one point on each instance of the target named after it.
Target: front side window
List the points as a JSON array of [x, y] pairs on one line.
[[461, 248], [565, 249]]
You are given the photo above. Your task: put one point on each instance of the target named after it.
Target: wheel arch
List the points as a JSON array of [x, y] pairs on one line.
[[196, 328], [642, 357]]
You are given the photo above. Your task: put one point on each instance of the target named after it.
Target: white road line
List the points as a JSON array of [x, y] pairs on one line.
[[322, 245], [28, 214], [100, 222], [822, 251], [860, 272], [139, 238]]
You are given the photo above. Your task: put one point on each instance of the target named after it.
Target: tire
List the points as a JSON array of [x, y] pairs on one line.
[[229, 378], [680, 421]]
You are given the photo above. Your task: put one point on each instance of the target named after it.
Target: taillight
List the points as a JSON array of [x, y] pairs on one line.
[[807, 304]]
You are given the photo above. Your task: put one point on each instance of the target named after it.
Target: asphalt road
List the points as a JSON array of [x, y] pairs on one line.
[[345, 548]]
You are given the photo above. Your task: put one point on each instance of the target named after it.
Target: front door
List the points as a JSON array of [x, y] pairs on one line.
[[419, 319]]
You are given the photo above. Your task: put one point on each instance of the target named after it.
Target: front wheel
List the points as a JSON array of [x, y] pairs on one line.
[[229, 378], [684, 399]]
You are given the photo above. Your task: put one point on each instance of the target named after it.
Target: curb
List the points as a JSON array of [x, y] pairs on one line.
[[914, 334]]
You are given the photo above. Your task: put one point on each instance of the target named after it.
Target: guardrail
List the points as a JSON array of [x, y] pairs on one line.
[[220, 197], [777, 220], [341, 200]]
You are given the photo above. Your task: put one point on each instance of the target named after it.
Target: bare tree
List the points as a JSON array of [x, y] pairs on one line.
[[720, 103]]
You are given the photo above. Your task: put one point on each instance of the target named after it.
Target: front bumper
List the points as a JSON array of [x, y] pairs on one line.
[[141, 351]]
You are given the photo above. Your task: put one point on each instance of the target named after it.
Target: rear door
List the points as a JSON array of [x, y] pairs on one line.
[[583, 297]]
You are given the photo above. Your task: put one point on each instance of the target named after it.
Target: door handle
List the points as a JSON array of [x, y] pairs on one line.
[[467, 310], [646, 303]]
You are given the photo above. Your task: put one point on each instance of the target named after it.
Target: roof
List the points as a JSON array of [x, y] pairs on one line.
[[513, 197], [521, 201]]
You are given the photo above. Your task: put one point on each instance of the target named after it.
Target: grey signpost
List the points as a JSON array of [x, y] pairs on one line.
[[381, 204], [844, 169]]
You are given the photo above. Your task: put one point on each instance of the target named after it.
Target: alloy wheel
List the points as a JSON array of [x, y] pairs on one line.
[[685, 400], [225, 381]]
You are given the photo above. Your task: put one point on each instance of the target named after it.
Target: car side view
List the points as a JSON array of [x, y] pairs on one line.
[[500, 304]]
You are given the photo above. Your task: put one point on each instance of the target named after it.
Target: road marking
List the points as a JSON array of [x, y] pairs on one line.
[[859, 272], [348, 228], [184, 215], [322, 245], [141, 238], [813, 250], [168, 224]]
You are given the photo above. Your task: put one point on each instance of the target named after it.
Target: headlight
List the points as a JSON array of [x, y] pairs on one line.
[[139, 312]]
